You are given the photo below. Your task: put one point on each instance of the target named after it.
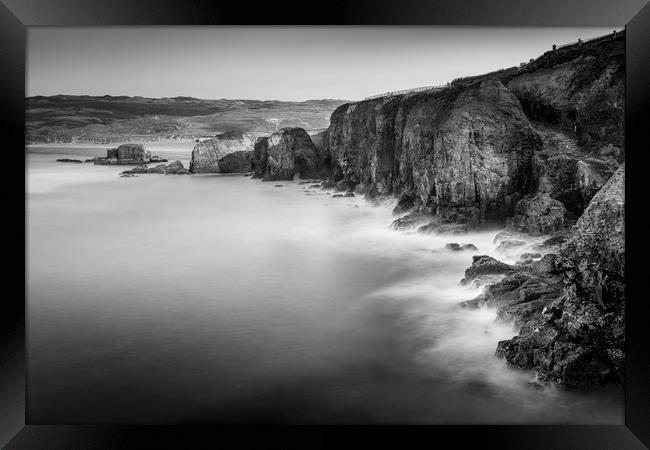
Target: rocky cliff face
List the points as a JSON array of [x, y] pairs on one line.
[[463, 152], [286, 152], [207, 154], [569, 308]]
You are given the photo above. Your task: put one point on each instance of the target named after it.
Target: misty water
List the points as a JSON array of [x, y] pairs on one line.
[[219, 298]]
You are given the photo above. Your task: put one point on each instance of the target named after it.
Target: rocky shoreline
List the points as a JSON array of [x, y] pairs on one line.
[[520, 150]]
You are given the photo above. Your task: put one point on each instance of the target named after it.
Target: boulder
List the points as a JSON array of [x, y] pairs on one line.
[[485, 265], [206, 155], [67, 160], [284, 154], [173, 168]]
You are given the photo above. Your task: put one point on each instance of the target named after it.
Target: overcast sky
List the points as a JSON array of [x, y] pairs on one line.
[[281, 63]]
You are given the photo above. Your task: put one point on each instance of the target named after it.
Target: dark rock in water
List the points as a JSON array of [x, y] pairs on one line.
[[126, 154], [314, 186], [236, 162], [207, 155], [173, 168], [67, 160], [158, 159], [285, 153], [538, 215], [93, 159], [127, 175], [349, 194], [457, 247], [278, 185], [485, 265], [337, 195]]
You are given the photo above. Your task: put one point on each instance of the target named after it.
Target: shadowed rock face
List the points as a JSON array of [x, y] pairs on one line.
[[464, 150], [207, 154], [236, 162], [286, 152], [538, 215]]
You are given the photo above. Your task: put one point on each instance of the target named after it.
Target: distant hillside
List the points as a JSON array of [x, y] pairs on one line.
[[88, 119]]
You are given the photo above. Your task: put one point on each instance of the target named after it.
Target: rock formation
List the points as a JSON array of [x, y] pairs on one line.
[[285, 153], [461, 152], [126, 154], [173, 168], [569, 308], [236, 162], [207, 154]]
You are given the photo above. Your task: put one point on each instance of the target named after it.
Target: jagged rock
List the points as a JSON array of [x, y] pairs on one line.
[[236, 162], [173, 168], [207, 154], [67, 160], [570, 308], [538, 215], [484, 265], [285, 153]]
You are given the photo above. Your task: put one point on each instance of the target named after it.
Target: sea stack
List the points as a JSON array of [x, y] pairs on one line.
[[206, 155], [125, 154], [285, 153]]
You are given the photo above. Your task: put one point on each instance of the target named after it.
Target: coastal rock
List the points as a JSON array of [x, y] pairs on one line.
[[484, 265], [285, 153], [173, 168], [67, 160], [126, 154], [569, 309], [458, 247], [538, 215], [236, 162], [207, 154]]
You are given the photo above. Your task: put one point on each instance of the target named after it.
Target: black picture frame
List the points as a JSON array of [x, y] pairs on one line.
[[16, 15]]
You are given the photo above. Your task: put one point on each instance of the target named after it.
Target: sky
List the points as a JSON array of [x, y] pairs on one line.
[[274, 63]]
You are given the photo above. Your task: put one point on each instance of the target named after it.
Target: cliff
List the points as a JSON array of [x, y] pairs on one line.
[[461, 151], [538, 149], [532, 144], [207, 154]]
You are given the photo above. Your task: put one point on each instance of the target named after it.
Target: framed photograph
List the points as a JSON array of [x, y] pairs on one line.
[[305, 223]]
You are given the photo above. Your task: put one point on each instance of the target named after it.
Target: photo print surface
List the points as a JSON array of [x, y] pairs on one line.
[[325, 225]]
